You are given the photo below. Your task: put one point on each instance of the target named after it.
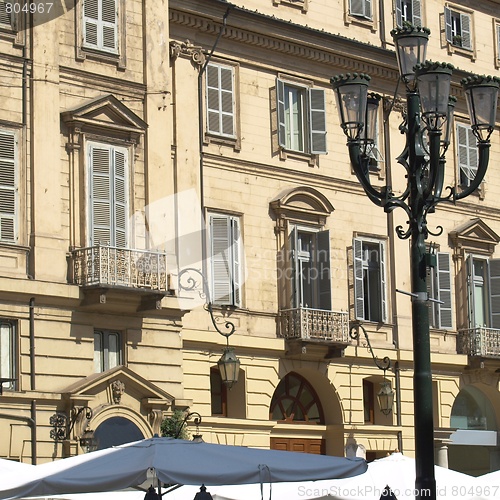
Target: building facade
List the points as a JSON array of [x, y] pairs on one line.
[[144, 142]]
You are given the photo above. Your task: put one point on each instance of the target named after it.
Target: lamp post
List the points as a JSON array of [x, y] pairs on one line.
[[429, 109]]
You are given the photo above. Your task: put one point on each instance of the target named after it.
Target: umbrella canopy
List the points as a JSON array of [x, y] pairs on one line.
[[12, 467], [176, 462]]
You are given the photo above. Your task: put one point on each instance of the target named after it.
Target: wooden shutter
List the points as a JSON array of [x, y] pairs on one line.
[[383, 293], [465, 31], [8, 187], [416, 8], [448, 27], [225, 260], [280, 98], [467, 153], [108, 196], [359, 293], [5, 17], [317, 121], [399, 13], [220, 100], [494, 287], [322, 262], [443, 273]]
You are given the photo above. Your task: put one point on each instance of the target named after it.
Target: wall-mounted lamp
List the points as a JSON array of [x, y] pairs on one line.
[[62, 425], [385, 396], [197, 438], [228, 364]]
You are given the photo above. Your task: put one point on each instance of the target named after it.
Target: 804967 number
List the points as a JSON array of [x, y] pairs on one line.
[[32, 7]]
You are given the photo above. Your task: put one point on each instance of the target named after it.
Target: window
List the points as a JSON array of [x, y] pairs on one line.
[[107, 350], [9, 203], [100, 25], [311, 268], [408, 11], [220, 100], [467, 154], [225, 259], [361, 8], [497, 38], [108, 175], [301, 118], [439, 288], [295, 400], [483, 286], [369, 280], [368, 402], [7, 353], [458, 28], [218, 393], [6, 16]]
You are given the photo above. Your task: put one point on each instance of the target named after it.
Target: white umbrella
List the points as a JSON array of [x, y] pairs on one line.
[[176, 462], [11, 466]]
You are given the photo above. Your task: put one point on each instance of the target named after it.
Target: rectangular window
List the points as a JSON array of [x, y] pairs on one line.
[[108, 175], [497, 34], [301, 118], [6, 15], [467, 154], [361, 8], [218, 394], [458, 28], [311, 269], [7, 354], [9, 185], [408, 11], [100, 25], [220, 100], [369, 280], [439, 289], [225, 252], [107, 350], [368, 402]]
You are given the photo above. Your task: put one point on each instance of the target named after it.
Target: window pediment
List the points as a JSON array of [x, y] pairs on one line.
[[474, 236], [106, 116]]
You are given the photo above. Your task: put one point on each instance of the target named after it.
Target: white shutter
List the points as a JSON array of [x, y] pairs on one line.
[[470, 291], [443, 273], [498, 41], [236, 258], [494, 282], [368, 9], [317, 121], [280, 98], [383, 293], [5, 17], [8, 187], [416, 7], [100, 24], [108, 195], [359, 294], [465, 31], [448, 27], [399, 13], [220, 238], [360, 8], [294, 268], [220, 100], [467, 153]]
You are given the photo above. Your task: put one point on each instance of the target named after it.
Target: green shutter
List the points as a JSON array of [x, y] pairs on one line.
[[8, 187]]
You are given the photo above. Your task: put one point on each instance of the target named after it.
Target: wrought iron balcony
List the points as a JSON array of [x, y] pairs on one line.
[[480, 341], [315, 324], [107, 266]]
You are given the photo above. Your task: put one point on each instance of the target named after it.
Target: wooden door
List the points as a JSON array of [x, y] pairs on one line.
[[313, 446]]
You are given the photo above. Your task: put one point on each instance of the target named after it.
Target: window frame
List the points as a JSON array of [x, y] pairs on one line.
[[232, 266], [313, 117], [102, 355], [86, 50], [416, 8], [496, 36], [219, 392], [11, 372], [303, 5], [14, 188], [360, 269], [92, 145], [456, 14], [368, 401]]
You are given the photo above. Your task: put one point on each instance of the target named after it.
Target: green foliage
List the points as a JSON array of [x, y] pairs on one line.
[[171, 425]]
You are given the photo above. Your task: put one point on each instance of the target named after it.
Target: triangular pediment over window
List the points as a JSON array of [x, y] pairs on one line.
[[474, 236], [105, 116]]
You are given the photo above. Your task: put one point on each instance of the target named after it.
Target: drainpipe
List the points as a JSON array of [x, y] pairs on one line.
[[32, 343], [397, 376]]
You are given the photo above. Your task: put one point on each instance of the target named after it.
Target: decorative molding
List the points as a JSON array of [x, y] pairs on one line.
[[117, 390], [155, 420], [188, 50]]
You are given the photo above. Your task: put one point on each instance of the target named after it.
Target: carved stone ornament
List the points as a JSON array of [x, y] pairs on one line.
[[187, 49], [117, 389]]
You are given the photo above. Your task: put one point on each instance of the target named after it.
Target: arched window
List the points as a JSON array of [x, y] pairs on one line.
[[472, 411], [115, 431], [295, 400]]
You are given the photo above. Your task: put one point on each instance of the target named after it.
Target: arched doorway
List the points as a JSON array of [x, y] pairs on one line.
[[115, 431], [296, 401]]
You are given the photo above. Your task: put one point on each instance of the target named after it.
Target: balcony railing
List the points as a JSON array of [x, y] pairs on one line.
[[315, 324], [119, 267], [484, 342]]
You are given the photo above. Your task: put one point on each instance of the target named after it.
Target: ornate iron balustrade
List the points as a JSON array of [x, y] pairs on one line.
[[103, 265], [479, 341], [315, 324]]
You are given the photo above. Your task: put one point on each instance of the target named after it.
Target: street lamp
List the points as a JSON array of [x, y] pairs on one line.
[[428, 110]]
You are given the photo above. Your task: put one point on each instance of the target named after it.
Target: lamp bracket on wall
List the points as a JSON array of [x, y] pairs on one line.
[[62, 425], [354, 333]]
